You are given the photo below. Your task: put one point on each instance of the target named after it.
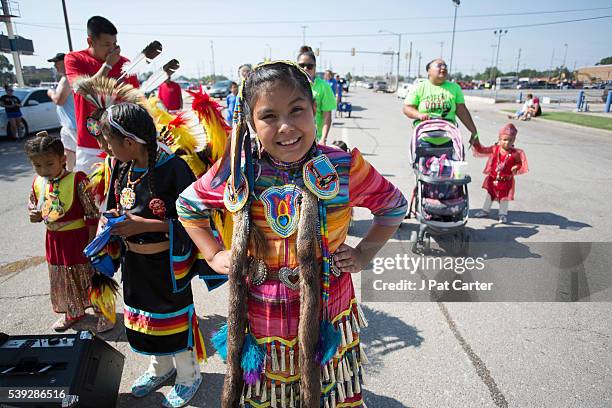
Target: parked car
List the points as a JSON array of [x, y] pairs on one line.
[[39, 113], [220, 89], [369, 85], [380, 86], [184, 85], [403, 90]]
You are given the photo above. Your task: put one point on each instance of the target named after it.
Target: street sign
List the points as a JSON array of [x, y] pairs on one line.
[[20, 44]]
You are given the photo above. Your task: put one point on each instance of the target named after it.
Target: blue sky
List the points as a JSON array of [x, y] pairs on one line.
[[258, 27]]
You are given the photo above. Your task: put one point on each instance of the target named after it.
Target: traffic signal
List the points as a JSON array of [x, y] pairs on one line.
[[353, 52]]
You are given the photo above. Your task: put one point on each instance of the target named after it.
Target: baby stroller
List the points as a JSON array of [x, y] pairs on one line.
[[440, 198]]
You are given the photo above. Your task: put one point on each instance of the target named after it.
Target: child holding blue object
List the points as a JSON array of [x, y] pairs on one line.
[[159, 314]]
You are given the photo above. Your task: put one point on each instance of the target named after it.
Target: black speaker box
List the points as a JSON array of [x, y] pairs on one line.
[[65, 370]]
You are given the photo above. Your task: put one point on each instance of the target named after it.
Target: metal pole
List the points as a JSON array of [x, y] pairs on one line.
[[67, 25], [497, 61], [550, 71], [212, 51], [565, 56], [518, 63], [11, 36], [304, 34], [441, 49], [410, 60], [450, 67], [419, 71], [399, 45]]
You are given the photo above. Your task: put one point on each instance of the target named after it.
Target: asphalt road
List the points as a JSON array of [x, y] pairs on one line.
[[423, 353]]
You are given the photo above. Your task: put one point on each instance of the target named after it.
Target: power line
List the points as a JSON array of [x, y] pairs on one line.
[[192, 35], [360, 20]]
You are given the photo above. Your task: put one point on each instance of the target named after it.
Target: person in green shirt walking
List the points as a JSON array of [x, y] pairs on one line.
[[324, 98], [438, 98]]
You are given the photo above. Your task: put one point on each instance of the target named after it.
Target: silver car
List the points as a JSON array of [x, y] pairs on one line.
[[39, 112]]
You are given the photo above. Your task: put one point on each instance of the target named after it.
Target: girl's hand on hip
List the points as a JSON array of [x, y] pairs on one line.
[[221, 262], [348, 259]]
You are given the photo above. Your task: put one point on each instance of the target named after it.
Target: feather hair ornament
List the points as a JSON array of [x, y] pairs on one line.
[[141, 60], [159, 76], [216, 129]]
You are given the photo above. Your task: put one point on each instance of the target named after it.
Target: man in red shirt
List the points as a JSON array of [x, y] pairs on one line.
[[171, 95], [101, 58]]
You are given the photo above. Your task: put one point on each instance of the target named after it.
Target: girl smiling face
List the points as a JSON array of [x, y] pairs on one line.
[[283, 117]]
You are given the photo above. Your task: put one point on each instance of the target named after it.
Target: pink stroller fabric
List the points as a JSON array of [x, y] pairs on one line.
[[440, 125]]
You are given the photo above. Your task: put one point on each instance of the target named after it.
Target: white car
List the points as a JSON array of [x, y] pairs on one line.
[[39, 113], [403, 90]]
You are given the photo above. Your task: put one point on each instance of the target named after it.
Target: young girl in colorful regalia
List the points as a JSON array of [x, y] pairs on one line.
[[292, 336], [159, 314], [60, 199], [504, 162]]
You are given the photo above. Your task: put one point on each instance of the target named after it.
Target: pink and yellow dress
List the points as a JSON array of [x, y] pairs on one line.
[[274, 304]]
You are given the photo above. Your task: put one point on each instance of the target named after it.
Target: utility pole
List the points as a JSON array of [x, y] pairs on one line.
[[456, 3], [67, 25], [304, 27], [11, 36], [410, 59], [552, 61], [499, 34], [518, 63], [399, 45], [212, 51]]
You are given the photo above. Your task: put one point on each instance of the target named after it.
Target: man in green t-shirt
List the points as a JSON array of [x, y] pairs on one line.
[[436, 97], [324, 98]]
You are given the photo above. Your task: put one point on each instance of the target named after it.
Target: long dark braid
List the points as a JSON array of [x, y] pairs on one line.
[[152, 151], [136, 120]]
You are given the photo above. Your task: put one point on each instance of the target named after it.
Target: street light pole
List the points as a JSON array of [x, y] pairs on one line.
[[67, 26], [399, 45], [410, 60], [212, 53], [450, 67], [499, 34]]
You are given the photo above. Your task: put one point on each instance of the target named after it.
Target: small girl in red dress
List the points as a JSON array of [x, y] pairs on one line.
[[505, 162], [60, 198]]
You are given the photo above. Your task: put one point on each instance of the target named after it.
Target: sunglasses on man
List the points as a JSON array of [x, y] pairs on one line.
[[307, 66]]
